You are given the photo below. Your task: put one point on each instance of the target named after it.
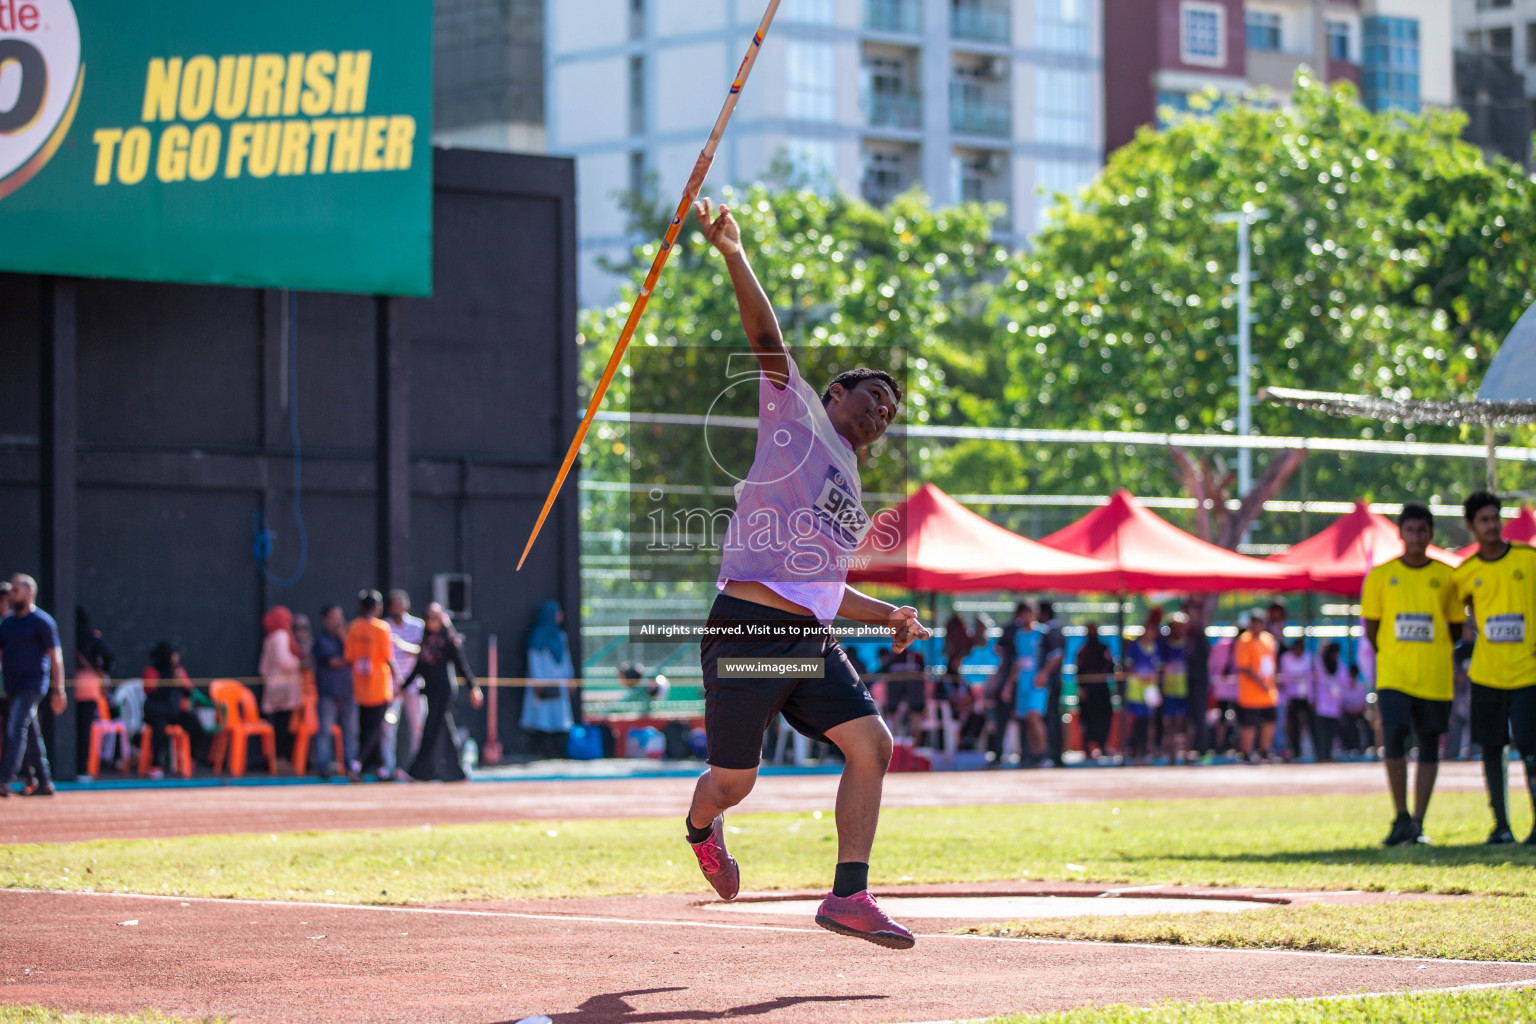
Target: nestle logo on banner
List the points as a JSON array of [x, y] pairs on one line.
[[16, 17], [40, 80]]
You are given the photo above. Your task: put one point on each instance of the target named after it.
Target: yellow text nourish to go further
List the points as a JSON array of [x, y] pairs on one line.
[[255, 115], [255, 85]]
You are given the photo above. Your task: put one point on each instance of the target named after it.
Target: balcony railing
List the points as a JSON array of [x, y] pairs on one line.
[[979, 117], [988, 24], [893, 110], [881, 188], [905, 16]]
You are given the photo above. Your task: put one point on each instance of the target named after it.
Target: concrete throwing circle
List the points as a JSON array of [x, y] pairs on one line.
[[1009, 908]]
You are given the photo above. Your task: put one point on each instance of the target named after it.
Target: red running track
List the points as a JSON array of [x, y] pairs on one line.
[[616, 961]]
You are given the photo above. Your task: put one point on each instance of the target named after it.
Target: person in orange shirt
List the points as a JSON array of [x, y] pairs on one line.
[[369, 650], [1257, 692]]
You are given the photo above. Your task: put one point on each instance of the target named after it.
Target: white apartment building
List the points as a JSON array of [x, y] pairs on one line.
[[1503, 28], [1501, 33], [990, 100]]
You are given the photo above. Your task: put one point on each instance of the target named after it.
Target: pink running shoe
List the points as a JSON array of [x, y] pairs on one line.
[[719, 866], [860, 916]]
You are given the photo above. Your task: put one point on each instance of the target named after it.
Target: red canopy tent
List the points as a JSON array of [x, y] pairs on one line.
[[944, 546], [1337, 559], [1521, 528], [1153, 554]]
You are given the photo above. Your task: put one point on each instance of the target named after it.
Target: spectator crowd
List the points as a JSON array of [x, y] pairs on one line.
[[1166, 694], [334, 698]]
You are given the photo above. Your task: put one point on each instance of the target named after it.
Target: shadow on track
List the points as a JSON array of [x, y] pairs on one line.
[[614, 1008]]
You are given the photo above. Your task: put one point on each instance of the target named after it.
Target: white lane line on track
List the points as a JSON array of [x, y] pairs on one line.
[[666, 923]]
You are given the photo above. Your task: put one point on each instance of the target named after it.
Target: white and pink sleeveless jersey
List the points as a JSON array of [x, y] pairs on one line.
[[799, 513]]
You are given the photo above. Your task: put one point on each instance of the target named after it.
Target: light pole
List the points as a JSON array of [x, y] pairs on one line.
[[1244, 219]]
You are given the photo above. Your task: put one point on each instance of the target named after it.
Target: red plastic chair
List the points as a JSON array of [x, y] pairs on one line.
[[306, 725], [239, 723], [181, 750], [104, 726]]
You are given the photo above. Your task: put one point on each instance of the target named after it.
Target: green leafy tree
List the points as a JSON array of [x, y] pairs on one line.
[[1394, 260]]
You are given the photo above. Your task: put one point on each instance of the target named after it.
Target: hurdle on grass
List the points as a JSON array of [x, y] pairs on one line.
[[690, 193]]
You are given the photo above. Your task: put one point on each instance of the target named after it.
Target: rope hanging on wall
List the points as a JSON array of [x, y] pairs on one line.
[[264, 542]]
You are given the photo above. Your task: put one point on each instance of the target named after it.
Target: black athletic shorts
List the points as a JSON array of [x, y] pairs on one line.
[[738, 709], [1249, 717], [1498, 715], [1403, 714]]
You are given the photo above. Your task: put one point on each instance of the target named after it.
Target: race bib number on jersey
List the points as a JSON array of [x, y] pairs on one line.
[[363, 666], [841, 512], [1504, 629], [1412, 628]]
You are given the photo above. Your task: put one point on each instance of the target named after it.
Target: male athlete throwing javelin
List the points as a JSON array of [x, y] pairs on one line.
[[799, 517]]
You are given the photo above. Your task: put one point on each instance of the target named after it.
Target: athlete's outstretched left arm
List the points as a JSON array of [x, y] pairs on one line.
[[903, 621]]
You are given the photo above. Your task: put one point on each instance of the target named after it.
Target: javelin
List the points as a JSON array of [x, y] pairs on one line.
[[690, 193]]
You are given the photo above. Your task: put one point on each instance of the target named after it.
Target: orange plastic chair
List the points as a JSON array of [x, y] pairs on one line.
[[104, 726], [239, 723], [181, 750], [306, 724]]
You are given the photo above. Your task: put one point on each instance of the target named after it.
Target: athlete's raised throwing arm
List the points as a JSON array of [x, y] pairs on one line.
[[757, 319]]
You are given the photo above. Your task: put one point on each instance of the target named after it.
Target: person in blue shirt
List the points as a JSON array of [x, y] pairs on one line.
[[1173, 652], [334, 698], [33, 664], [1144, 669], [1031, 688]]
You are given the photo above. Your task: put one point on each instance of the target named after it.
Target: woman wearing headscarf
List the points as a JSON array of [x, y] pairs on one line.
[[547, 708], [282, 676], [441, 655]]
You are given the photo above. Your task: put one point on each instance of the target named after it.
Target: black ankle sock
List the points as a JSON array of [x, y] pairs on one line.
[[851, 877], [1494, 778], [698, 835]]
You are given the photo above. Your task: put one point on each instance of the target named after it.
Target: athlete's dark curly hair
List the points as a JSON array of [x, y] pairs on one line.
[[850, 379]]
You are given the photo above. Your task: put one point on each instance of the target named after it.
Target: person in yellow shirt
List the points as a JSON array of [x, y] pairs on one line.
[[370, 652], [1415, 597], [1498, 584], [1258, 694]]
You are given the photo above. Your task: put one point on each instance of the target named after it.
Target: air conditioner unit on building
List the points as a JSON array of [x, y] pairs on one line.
[[995, 163], [995, 68], [452, 591]]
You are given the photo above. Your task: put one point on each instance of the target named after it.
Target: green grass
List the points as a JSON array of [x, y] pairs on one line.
[[43, 1015], [1291, 843], [1497, 1006], [1477, 928]]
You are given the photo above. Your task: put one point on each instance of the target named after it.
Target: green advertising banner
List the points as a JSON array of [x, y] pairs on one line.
[[278, 144]]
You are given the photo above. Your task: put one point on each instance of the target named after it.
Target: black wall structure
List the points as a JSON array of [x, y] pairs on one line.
[[144, 428]]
